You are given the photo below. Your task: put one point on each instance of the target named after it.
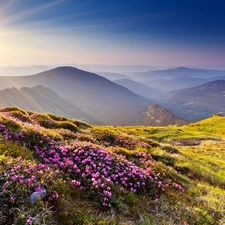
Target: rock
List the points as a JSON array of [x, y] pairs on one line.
[[34, 197]]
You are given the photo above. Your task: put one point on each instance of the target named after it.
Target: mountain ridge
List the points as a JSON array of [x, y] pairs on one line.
[[199, 102], [157, 115], [103, 99], [42, 99]]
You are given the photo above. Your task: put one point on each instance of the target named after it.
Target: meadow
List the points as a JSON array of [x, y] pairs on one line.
[[106, 175]]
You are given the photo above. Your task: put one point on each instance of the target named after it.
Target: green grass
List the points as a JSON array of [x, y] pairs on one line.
[[192, 156], [198, 162]]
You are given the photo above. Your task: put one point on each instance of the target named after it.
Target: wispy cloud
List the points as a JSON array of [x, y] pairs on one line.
[[29, 12], [4, 7], [63, 28], [57, 19]]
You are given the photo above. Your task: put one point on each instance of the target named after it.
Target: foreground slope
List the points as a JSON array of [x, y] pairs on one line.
[[108, 175], [42, 99]]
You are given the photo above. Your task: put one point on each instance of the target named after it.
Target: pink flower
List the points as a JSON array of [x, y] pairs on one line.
[[73, 182], [156, 200], [38, 189], [55, 194], [11, 198], [14, 178]]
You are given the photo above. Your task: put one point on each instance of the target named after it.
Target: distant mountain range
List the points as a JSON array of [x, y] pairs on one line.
[[178, 78], [42, 99], [87, 96], [198, 102], [113, 76], [101, 98], [180, 72], [75, 93], [141, 89], [156, 115]]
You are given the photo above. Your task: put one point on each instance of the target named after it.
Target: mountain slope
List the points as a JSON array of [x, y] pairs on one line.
[[156, 115], [140, 89], [101, 98], [42, 99], [199, 102]]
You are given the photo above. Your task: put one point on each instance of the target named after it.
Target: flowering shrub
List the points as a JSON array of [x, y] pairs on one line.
[[20, 116], [19, 179], [81, 161], [96, 170], [90, 167], [43, 120]]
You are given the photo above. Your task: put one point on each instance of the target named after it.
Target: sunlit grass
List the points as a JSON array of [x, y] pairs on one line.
[[192, 156]]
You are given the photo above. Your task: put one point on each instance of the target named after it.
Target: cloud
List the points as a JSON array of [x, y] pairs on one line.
[[29, 12], [4, 7], [30, 31]]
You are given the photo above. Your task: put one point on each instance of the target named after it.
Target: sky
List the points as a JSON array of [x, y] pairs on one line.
[[112, 32]]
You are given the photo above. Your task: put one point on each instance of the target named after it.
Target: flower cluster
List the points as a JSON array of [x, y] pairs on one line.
[[24, 177], [90, 167], [94, 169]]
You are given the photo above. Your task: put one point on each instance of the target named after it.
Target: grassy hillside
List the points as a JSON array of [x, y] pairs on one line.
[[110, 175]]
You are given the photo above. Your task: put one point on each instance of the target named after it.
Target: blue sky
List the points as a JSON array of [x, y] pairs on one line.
[[150, 32]]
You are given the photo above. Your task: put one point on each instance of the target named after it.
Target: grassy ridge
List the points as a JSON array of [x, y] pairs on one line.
[[111, 175]]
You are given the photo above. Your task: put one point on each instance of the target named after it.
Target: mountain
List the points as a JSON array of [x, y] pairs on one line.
[[140, 89], [177, 83], [156, 115], [21, 71], [42, 99], [180, 72], [178, 78], [199, 102], [113, 76], [101, 98]]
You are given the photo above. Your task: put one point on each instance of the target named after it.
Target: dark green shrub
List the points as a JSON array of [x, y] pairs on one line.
[[43, 120], [56, 117], [12, 108], [20, 116], [10, 124], [67, 125], [81, 124]]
